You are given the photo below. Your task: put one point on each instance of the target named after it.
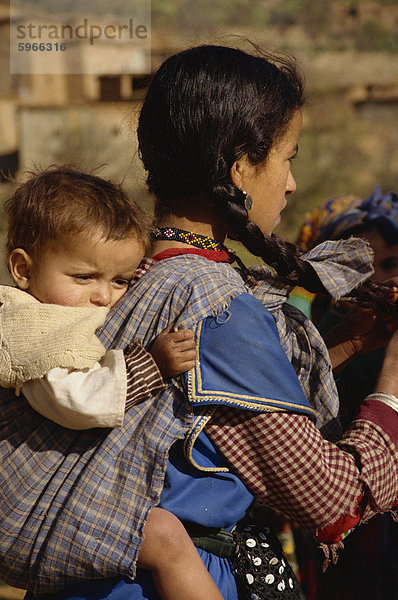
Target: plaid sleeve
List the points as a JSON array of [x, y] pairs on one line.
[[143, 376], [283, 458]]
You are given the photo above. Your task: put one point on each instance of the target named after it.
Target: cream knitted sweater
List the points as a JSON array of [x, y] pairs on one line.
[[36, 337]]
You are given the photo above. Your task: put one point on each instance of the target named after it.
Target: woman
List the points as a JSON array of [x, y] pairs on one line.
[[217, 133]]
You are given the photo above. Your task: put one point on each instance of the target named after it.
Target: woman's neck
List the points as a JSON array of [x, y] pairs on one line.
[[201, 227]]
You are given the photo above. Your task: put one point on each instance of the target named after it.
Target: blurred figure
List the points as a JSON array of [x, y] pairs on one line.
[[375, 220], [367, 566]]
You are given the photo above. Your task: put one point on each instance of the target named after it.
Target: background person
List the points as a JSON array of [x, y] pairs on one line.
[[366, 567]]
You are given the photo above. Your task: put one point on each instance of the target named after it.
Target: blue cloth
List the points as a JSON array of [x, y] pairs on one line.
[[189, 494], [196, 496], [231, 348]]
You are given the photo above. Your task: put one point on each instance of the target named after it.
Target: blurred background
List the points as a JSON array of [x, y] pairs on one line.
[[347, 49]]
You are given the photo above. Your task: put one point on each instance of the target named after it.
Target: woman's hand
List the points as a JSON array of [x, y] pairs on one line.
[[174, 351], [361, 331]]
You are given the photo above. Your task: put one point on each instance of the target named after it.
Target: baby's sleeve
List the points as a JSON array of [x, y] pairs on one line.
[[84, 399], [99, 396]]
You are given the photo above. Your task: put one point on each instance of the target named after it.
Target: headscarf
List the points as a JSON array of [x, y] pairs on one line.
[[341, 214]]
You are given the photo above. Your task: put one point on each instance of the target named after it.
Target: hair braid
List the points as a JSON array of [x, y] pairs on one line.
[[283, 256]]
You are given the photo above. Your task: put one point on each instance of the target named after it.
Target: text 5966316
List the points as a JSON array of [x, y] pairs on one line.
[[42, 47]]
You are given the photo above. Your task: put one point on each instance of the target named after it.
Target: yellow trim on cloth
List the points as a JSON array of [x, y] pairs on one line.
[[197, 393]]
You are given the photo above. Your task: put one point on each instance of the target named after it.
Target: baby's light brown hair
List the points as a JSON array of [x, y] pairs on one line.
[[63, 201]]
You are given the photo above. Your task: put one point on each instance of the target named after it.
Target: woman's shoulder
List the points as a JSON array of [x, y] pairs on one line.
[[189, 273], [193, 266], [241, 363], [184, 289]]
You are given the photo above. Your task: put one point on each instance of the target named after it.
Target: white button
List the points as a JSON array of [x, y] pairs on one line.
[[281, 586], [250, 543], [249, 578], [281, 569], [257, 561], [273, 561], [264, 545], [269, 579], [291, 583]]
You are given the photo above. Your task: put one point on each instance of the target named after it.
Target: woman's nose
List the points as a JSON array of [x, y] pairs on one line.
[[291, 185]]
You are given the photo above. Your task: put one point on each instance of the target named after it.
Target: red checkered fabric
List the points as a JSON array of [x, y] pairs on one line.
[[283, 458], [143, 267]]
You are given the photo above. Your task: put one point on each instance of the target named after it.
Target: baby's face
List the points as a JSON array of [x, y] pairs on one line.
[[84, 271]]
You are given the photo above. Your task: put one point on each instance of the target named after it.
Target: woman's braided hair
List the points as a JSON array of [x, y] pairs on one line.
[[205, 108]]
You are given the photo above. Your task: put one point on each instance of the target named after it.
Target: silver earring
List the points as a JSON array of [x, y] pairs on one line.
[[248, 201]]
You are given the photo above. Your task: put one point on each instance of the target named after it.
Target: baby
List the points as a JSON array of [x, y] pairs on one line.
[[74, 244]]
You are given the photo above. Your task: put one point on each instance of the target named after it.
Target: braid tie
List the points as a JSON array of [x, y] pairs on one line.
[[375, 295]]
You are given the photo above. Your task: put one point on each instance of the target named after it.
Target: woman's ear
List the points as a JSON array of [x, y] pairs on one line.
[[238, 170], [20, 265]]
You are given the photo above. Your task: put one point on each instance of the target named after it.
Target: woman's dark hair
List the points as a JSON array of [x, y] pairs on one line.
[[205, 108]]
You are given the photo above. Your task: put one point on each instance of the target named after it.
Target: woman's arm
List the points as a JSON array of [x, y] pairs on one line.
[[327, 488], [360, 331], [283, 458]]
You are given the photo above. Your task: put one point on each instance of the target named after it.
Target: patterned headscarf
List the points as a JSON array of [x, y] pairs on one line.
[[341, 214]]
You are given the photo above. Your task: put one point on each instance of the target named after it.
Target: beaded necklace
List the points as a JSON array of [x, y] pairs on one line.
[[205, 243], [187, 237]]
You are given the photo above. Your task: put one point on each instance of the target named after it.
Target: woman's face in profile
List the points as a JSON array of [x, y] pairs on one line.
[[270, 183], [385, 256]]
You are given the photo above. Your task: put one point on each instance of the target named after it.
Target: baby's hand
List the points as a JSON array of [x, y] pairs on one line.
[[174, 351]]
